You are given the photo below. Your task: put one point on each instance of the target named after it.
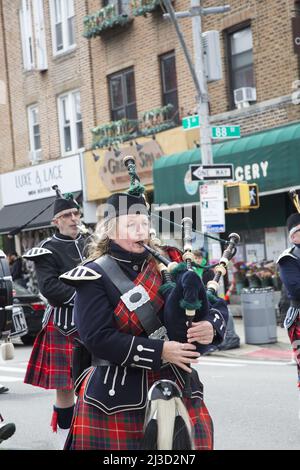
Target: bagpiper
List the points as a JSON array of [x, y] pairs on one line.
[[49, 365], [131, 395]]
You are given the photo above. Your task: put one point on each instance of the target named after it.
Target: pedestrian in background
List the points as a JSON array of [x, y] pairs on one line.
[[17, 269], [201, 260]]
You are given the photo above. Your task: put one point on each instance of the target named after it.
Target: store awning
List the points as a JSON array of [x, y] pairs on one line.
[[270, 158], [16, 215]]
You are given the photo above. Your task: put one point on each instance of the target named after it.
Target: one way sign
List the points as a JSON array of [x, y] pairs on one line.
[[212, 172]]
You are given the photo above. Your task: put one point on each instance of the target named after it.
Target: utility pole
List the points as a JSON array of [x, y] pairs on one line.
[[197, 68]]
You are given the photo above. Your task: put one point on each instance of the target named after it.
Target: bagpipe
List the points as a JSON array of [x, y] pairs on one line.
[[294, 196], [186, 301]]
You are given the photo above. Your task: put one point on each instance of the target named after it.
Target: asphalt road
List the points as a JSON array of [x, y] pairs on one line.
[[254, 404]]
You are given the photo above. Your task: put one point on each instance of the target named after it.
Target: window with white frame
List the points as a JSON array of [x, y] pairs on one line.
[[70, 122], [240, 59], [26, 34], [63, 25], [34, 49], [34, 128]]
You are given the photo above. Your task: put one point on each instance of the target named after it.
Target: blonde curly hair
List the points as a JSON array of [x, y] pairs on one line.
[[102, 235]]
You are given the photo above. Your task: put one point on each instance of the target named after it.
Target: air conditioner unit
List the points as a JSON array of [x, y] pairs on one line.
[[35, 156], [242, 96]]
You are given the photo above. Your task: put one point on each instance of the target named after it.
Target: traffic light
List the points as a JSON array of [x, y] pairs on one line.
[[241, 195], [254, 197]]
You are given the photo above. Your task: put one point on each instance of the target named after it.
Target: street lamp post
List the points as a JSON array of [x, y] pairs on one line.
[[197, 69]]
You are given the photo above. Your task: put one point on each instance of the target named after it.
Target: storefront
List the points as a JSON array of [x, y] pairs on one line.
[[27, 198], [270, 158], [105, 172]]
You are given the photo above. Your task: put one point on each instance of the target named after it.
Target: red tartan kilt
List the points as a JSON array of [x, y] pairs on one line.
[[294, 335], [50, 362], [92, 429]]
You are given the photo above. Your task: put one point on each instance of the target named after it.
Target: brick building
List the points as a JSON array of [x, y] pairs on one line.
[[46, 69], [104, 61], [257, 52]]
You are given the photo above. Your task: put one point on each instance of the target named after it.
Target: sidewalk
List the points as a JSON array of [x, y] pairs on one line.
[[279, 351]]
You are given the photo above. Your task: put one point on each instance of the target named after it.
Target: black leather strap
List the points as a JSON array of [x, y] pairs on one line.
[[149, 320], [296, 252]]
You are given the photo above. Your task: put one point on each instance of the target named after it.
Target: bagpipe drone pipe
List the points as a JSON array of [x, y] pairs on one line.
[[187, 300]]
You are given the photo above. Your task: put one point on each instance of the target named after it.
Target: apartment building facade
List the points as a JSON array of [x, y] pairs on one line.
[[46, 66], [258, 92]]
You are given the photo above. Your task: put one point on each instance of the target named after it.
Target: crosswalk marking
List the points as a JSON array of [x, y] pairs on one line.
[[212, 363], [226, 361], [6, 378], [16, 369], [13, 369]]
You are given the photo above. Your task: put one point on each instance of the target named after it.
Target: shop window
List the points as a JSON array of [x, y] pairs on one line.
[[122, 95], [63, 25], [240, 63], [169, 84], [70, 122]]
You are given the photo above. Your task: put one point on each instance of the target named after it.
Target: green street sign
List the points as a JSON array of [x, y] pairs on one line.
[[226, 132], [190, 122]]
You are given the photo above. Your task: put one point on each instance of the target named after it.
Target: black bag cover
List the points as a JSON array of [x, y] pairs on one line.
[[81, 359]]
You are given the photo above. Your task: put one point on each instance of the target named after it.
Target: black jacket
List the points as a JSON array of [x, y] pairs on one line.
[[119, 382], [55, 256]]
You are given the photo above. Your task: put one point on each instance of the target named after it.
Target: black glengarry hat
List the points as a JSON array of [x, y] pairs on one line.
[[63, 203], [132, 202], [292, 222], [123, 204]]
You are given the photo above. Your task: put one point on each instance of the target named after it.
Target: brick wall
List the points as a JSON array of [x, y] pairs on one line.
[[6, 151], [139, 45], [66, 72]]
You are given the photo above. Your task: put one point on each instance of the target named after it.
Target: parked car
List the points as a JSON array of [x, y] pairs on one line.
[[33, 308]]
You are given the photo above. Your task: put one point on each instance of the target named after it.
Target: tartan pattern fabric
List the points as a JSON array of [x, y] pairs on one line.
[[150, 279], [173, 253], [91, 429], [294, 335], [50, 362]]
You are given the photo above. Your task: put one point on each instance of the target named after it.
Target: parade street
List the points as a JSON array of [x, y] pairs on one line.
[[253, 404]]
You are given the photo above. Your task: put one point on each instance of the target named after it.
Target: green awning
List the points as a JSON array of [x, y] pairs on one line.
[[270, 158]]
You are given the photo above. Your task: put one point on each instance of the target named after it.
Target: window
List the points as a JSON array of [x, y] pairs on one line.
[[34, 128], [169, 83], [241, 59], [39, 33], [32, 14], [26, 34], [70, 122], [121, 6], [63, 28], [122, 95]]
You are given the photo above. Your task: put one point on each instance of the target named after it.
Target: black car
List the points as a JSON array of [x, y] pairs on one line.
[[32, 307]]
